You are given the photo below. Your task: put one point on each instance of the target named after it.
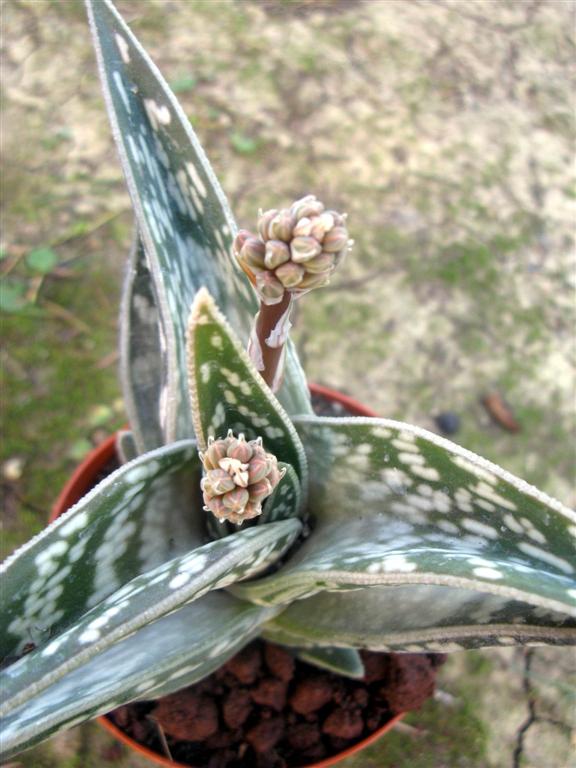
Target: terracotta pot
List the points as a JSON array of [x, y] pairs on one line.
[[82, 481]]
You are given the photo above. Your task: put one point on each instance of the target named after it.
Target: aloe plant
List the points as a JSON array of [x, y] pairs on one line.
[[358, 532]]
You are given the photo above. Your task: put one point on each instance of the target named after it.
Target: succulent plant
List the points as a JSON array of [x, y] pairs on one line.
[[359, 532]]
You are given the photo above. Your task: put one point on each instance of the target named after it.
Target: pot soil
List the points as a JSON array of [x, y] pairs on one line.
[[265, 708]]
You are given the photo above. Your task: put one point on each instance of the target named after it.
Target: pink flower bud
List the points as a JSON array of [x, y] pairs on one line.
[[236, 500], [290, 274], [277, 253], [264, 222], [304, 248]]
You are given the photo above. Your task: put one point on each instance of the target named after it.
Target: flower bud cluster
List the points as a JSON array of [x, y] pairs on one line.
[[239, 476], [296, 249]]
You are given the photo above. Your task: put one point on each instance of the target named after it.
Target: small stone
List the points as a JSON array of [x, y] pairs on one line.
[[343, 724], [237, 707], [266, 734], [271, 692], [303, 736], [246, 665], [12, 469], [448, 422], [311, 694], [187, 715], [279, 661], [410, 681]]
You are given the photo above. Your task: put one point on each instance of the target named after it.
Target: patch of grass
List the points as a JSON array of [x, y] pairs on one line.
[[50, 379], [455, 736]]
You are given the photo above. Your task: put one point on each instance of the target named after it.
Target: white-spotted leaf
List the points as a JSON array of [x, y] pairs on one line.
[[226, 391], [393, 504], [141, 515], [183, 217], [143, 600], [417, 619], [187, 645], [142, 357]]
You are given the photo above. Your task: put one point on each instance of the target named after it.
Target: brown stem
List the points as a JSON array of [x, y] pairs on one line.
[[268, 339]]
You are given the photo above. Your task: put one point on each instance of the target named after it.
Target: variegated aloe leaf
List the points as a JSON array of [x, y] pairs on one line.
[[394, 504], [183, 216], [342, 661], [142, 359], [185, 646], [141, 515], [227, 392], [418, 618], [285, 501], [143, 600]]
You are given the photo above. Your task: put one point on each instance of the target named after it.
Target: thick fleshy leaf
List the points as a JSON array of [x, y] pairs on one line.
[[187, 645], [227, 392], [394, 504], [143, 600], [342, 661], [285, 500], [141, 515], [183, 217], [142, 360], [418, 618]]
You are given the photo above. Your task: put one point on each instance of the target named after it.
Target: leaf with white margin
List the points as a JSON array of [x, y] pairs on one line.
[[394, 504], [143, 600], [341, 661], [142, 359], [227, 392], [183, 216], [146, 512], [418, 618], [193, 642]]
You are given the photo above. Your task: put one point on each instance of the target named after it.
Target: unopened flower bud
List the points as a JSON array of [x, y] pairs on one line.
[[304, 248], [259, 468], [252, 253], [216, 450], [315, 281], [307, 206], [236, 499], [277, 253], [298, 249], [303, 228], [219, 482], [264, 221], [259, 491], [240, 239], [290, 274], [281, 226], [239, 449], [321, 225], [335, 240], [322, 263]]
